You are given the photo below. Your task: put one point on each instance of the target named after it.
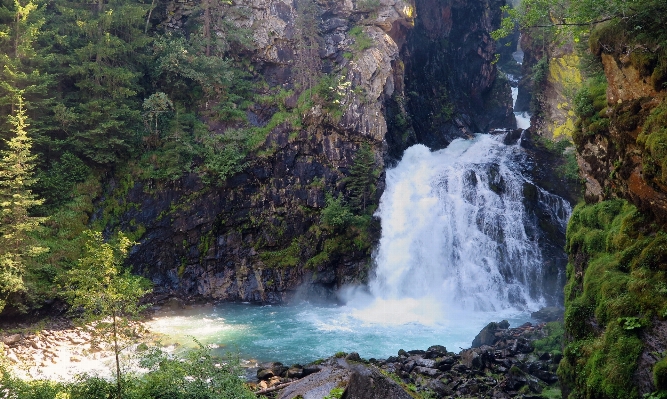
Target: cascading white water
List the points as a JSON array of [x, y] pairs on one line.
[[454, 233], [522, 118]]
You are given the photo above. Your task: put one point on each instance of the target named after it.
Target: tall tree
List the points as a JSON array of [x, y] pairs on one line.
[[362, 179], [16, 199], [106, 291], [20, 63], [102, 55]]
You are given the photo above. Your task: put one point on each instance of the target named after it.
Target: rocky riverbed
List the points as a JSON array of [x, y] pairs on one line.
[[501, 364], [61, 351]]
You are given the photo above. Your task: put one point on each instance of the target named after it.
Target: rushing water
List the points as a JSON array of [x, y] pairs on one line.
[[454, 255]]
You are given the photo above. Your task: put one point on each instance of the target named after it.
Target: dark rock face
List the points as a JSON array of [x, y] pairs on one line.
[[368, 383], [550, 313], [452, 88]]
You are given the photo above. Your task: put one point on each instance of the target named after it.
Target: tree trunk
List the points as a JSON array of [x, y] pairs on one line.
[[116, 352], [149, 16]]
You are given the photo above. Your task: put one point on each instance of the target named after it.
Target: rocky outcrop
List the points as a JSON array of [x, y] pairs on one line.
[[508, 368], [614, 154], [258, 235]]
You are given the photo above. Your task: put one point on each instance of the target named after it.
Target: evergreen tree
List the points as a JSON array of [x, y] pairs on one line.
[[362, 179], [16, 199], [21, 64], [102, 56]]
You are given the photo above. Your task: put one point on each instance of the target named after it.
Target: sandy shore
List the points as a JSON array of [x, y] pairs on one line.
[[61, 354]]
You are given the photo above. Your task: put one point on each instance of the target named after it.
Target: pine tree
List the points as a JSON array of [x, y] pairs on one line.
[[362, 179], [102, 52], [16, 199]]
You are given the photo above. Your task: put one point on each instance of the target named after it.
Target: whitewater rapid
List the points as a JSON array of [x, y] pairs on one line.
[[454, 235]]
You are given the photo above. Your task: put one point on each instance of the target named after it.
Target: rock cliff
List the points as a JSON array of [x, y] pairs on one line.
[[615, 325], [259, 234]]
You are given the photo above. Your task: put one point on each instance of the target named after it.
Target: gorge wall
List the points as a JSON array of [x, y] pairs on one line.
[[614, 319], [403, 72]]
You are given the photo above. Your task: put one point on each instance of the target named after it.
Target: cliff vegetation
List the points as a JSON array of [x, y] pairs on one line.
[[614, 297]]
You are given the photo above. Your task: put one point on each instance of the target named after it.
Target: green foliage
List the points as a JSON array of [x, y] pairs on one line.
[[629, 323], [617, 290], [336, 215], [106, 292], [336, 393], [654, 140], [224, 154], [553, 342], [361, 39], [195, 374], [288, 257], [660, 374], [57, 183], [362, 178], [16, 200]]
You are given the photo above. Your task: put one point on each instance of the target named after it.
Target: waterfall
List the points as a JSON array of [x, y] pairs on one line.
[[458, 231]]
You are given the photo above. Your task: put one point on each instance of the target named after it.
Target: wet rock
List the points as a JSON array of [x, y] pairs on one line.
[[366, 383], [294, 372], [265, 374], [488, 334], [548, 314], [354, 356]]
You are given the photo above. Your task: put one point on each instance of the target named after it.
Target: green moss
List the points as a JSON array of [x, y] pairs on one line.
[[287, 257], [654, 140], [553, 342], [610, 297], [660, 374], [361, 40]]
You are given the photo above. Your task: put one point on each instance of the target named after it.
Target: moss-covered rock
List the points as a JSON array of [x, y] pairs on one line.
[[611, 298]]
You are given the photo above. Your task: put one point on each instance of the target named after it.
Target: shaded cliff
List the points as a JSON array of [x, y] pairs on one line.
[[452, 86], [299, 211]]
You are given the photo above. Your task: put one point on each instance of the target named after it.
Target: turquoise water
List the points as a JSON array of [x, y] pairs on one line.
[[304, 333]]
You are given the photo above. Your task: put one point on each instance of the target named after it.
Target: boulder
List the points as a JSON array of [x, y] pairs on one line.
[[264, 374], [488, 334], [11, 339], [367, 383]]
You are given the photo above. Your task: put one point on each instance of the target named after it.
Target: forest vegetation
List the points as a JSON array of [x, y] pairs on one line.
[[91, 90]]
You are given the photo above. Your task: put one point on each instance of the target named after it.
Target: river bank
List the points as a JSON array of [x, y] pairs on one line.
[[502, 363]]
